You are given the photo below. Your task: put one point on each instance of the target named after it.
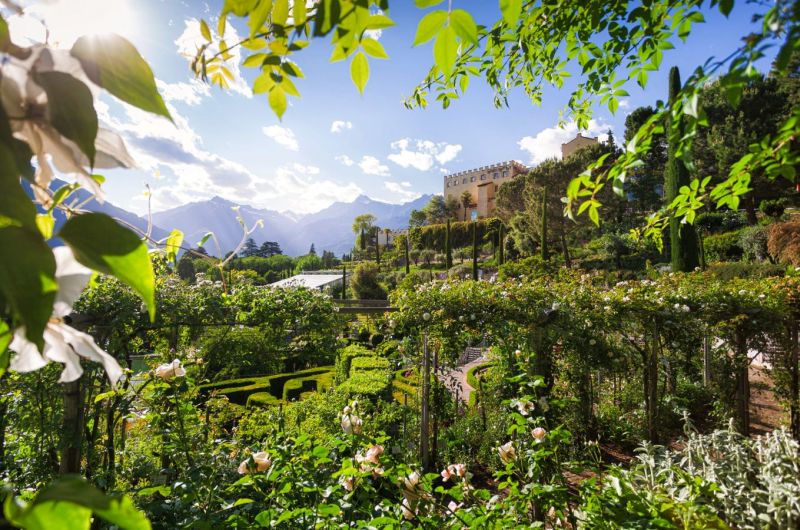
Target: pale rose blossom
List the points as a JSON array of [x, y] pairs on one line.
[[373, 454], [352, 424], [407, 513], [261, 462], [524, 406], [539, 433], [347, 483], [507, 452], [446, 474], [170, 370], [453, 506]]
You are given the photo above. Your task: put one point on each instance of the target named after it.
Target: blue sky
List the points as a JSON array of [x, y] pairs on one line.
[[333, 143]]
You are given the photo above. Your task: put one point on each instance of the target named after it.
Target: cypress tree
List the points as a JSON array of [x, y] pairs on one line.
[[544, 249], [344, 281], [474, 250], [408, 260], [683, 237], [501, 237], [377, 246], [363, 239], [448, 252]]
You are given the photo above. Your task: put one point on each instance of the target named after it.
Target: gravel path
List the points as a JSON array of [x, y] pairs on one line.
[[456, 380]]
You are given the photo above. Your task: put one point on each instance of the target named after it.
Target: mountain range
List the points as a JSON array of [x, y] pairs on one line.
[[329, 229]]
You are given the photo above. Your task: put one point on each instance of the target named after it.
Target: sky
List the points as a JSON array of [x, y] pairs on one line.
[[333, 143]]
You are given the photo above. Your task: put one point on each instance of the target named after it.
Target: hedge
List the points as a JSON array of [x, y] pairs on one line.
[[432, 236], [346, 356], [372, 384], [360, 364], [294, 389], [238, 391]]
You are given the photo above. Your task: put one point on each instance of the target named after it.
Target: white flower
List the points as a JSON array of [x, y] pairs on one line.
[[452, 506], [592, 342], [261, 462], [556, 306], [62, 343], [524, 406], [507, 452], [410, 482], [426, 316], [538, 434], [742, 292], [352, 424], [170, 370]]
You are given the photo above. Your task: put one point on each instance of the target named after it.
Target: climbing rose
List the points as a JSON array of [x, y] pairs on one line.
[[351, 424], [347, 483], [539, 434], [261, 463], [169, 370], [507, 452]]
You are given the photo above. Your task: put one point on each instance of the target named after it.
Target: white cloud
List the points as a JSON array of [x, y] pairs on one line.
[[547, 142], [422, 154], [191, 93], [339, 126], [191, 39], [372, 166], [181, 170], [624, 103], [344, 159], [401, 191], [283, 136]]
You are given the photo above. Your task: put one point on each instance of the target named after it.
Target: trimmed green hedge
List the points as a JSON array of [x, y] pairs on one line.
[[294, 389], [345, 358], [360, 364], [238, 391], [371, 384], [405, 388], [723, 247]]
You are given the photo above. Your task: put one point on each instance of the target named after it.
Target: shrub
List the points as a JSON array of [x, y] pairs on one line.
[[373, 384], [783, 242], [346, 356], [532, 267], [723, 247], [753, 241], [364, 282], [773, 208], [232, 352], [360, 364], [724, 221], [736, 269]]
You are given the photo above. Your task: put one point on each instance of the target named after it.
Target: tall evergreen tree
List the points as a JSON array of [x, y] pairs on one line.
[[474, 250], [543, 246], [683, 237], [250, 248], [408, 259], [448, 251], [501, 239], [377, 246]]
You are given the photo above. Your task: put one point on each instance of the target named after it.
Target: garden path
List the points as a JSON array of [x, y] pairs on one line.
[[455, 380]]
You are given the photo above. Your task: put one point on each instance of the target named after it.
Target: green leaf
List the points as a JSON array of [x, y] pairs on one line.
[[113, 63], [359, 71], [68, 503], [173, 245], [103, 245], [429, 26], [281, 12], [5, 339], [27, 282], [299, 13], [378, 22], [205, 31], [45, 222], [277, 101], [511, 10], [259, 16], [422, 4], [373, 48], [445, 50], [70, 109], [464, 25]]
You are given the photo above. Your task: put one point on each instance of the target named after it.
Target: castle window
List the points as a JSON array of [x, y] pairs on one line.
[[464, 181], [496, 174], [505, 173], [472, 178], [483, 177]]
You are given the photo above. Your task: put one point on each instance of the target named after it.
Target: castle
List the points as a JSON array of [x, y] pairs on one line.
[[482, 182]]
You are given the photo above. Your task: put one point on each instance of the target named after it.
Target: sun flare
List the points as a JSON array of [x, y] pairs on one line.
[[61, 22]]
